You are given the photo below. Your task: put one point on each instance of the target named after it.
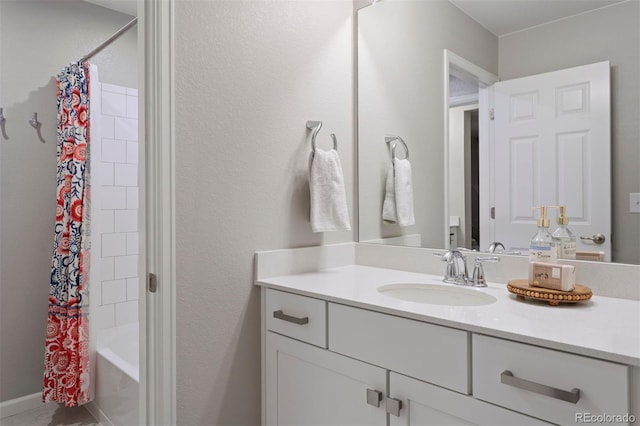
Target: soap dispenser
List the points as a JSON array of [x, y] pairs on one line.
[[542, 247], [564, 238]]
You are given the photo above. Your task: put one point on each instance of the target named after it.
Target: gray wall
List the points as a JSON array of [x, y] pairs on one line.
[[37, 39], [249, 74], [609, 34], [400, 91]]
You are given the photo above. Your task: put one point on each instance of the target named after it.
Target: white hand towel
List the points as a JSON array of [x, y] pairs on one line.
[[328, 197], [398, 200]]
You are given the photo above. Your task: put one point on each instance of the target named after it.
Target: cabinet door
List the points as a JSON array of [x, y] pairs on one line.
[[424, 404], [306, 385]]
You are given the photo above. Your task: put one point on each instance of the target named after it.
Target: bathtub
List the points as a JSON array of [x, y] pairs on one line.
[[117, 376]]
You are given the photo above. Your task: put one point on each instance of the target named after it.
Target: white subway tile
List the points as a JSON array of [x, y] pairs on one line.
[[105, 317], [95, 293], [113, 197], [132, 242], [107, 127], [133, 288], [126, 266], [114, 291], [114, 151], [126, 175], [132, 107], [126, 313], [113, 88], [106, 268], [114, 104], [132, 152], [132, 92], [132, 197], [126, 220], [106, 221], [126, 128], [114, 245], [106, 174]]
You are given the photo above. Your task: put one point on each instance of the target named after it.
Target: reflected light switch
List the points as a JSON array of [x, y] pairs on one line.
[[634, 202]]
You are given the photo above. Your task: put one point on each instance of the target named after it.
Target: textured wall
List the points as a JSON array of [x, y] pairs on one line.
[[37, 39], [249, 74], [609, 34]]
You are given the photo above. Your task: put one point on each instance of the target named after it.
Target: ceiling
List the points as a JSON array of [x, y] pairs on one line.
[[130, 7], [507, 16]]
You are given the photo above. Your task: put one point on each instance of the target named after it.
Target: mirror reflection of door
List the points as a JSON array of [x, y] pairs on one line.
[[561, 157], [552, 147]]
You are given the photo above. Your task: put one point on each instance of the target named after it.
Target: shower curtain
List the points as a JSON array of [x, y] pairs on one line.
[[66, 363]]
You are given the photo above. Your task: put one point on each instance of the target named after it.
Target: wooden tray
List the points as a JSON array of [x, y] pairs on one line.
[[554, 297]]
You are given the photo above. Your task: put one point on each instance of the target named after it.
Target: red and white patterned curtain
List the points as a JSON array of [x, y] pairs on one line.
[[66, 361]]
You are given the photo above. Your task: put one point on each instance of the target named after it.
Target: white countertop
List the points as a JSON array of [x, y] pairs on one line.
[[603, 327]]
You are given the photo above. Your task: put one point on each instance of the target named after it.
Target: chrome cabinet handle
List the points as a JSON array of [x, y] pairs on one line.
[[572, 396], [374, 397], [597, 238], [393, 406], [288, 318]]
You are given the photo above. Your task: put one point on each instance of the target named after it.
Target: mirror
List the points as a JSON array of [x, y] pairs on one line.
[[401, 91]]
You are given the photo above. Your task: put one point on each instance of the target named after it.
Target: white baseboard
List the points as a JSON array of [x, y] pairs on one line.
[[18, 405], [98, 414]]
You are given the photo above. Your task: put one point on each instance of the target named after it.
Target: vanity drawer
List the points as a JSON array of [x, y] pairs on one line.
[[540, 381], [434, 354], [303, 318]]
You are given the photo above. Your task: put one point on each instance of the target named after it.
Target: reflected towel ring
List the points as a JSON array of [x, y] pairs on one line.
[[390, 138], [315, 126]]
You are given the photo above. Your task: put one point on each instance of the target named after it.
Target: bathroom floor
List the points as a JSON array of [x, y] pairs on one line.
[[51, 415]]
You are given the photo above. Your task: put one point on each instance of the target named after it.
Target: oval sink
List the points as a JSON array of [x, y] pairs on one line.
[[437, 294]]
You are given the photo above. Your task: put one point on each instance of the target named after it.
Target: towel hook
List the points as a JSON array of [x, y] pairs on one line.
[[2, 117], [34, 121], [390, 138], [315, 127]]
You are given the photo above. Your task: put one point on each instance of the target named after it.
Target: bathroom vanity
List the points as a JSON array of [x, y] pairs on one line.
[[338, 350]]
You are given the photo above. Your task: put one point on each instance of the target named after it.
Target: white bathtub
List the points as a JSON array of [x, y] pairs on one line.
[[117, 376]]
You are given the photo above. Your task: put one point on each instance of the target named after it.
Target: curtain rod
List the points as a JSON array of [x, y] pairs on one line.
[[109, 40]]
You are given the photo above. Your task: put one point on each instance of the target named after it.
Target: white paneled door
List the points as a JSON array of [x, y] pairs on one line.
[[552, 147]]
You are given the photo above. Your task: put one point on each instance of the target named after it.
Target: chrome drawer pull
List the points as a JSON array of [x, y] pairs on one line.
[[571, 396], [284, 317]]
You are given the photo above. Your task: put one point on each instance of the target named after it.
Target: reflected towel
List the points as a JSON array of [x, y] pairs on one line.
[[328, 197], [398, 198]]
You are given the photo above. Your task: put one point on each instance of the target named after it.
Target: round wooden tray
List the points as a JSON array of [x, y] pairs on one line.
[[554, 297]]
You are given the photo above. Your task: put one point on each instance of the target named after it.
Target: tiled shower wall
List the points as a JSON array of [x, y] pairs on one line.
[[118, 289]]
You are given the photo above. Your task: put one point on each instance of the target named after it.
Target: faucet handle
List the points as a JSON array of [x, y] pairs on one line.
[[477, 277]]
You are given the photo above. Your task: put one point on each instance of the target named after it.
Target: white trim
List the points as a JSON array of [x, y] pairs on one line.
[[484, 78], [15, 406], [159, 378], [98, 414]]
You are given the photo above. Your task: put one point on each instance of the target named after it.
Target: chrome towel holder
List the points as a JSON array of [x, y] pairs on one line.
[[315, 127], [390, 138]]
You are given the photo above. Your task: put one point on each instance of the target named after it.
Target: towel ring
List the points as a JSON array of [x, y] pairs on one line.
[[315, 126], [390, 138]]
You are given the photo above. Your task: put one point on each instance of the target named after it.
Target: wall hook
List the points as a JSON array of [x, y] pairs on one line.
[[34, 121], [3, 120]]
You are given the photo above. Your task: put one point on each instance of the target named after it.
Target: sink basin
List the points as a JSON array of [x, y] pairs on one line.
[[434, 294]]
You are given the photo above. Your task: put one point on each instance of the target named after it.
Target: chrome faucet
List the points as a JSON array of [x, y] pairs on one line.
[[495, 247], [456, 271]]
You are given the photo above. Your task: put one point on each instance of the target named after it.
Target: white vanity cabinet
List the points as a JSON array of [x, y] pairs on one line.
[[356, 380]]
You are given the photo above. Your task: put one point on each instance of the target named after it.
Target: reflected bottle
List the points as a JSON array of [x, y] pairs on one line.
[[542, 247], [564, 238]]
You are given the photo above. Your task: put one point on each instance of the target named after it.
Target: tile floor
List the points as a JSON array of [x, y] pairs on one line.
[[51, 415]]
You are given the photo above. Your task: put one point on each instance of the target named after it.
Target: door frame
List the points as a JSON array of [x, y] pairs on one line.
[[157, 309], [484, 79]]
